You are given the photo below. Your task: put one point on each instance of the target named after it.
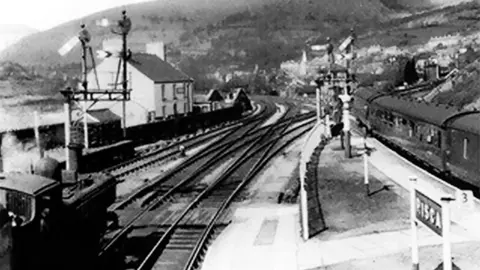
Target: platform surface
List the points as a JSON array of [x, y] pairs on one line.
[[365, 232]]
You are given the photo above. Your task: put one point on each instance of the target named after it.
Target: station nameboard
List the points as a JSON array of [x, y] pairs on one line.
[[428, 212]]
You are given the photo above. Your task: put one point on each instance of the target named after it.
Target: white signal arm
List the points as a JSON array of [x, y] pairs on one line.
[[347, 42]]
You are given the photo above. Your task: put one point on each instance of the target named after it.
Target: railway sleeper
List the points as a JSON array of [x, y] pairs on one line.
[[197, 187]]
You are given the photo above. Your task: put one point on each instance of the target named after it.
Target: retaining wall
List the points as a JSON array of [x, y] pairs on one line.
[[312, 221]]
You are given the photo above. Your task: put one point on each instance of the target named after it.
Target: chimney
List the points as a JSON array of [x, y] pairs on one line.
[[157, 48]]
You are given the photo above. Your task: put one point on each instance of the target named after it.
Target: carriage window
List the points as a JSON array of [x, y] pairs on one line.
[[431, 136], [465, 147], [439, 139], [398, 120], [20, 204], [411, 131]]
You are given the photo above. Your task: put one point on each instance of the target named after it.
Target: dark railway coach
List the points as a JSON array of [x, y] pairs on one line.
[[47, 224], [442, 138]]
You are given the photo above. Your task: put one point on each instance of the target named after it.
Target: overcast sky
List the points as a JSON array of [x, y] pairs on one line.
[[45, 14]]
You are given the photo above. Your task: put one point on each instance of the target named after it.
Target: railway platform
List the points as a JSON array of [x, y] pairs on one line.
[[364, 232]]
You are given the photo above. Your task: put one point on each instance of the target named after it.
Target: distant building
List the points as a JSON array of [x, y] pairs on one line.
[[209, 102], [104, 126], [448, 40], [306, 91], [238, 97], [158, 89]]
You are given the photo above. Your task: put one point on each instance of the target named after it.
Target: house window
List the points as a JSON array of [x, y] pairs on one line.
[[465, 147], [173, 93], [180, 89], [150, 117], [411, 130], [163, 91], [439, 139]]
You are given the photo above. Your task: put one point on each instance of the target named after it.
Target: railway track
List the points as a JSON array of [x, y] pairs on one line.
[[183, 173], [174, 186], [157, 155], [182, 243], [198, 164]]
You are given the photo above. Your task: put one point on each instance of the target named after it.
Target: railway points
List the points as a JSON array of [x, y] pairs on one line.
[[202, 182], [213, 201], [278, 114]]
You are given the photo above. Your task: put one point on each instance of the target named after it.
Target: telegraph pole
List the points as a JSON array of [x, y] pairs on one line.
[[84, 39]]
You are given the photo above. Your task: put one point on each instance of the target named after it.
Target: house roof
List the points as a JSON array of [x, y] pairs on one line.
[[334, 67], [211, 96], [307, 89], [156, 69], [214, 95], [104, 115]]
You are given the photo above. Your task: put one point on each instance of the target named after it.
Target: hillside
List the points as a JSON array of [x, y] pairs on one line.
[[465, 92], [11, 33], [197, 26]]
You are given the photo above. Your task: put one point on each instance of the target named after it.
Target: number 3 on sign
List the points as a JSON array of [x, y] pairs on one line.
[[465, 197]]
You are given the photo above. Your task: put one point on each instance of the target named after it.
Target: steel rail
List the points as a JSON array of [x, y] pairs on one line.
[[149, 260]]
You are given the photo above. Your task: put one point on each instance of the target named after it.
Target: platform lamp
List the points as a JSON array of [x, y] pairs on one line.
[[320, 84], [347, 98]]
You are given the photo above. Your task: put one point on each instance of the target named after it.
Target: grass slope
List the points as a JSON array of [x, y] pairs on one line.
[[195, 24]]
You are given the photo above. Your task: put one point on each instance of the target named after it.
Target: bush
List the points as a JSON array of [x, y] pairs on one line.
[[410, 73]]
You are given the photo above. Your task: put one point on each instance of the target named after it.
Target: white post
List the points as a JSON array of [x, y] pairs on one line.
[[303, 201], [447, 249], [327, 126], [365, 173], [36, 121], [319, 117], [67, 132], [85, 124], [413, 224]]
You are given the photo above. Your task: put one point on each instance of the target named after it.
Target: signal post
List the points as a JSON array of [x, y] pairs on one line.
[[340, 78], [92, 95]]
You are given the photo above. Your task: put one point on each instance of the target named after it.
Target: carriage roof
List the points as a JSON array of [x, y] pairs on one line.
[[435, 114], [468, 121], [27, 183]]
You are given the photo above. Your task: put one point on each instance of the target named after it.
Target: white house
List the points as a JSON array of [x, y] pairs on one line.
[[158, 89]]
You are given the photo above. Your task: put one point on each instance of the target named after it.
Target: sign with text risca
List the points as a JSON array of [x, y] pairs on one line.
[[428, 212]]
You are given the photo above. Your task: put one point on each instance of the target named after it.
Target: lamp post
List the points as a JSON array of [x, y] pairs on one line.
[[319, 82], [346, 99]]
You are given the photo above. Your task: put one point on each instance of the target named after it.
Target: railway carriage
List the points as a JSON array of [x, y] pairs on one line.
[[444, 139], [463, 137]]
